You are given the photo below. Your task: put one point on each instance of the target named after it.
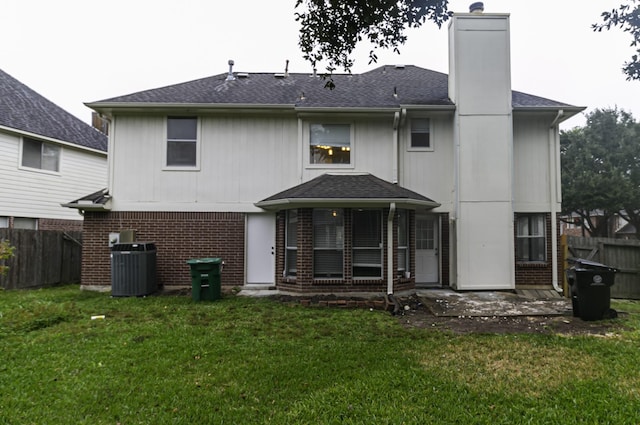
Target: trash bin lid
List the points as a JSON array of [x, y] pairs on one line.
[[582, 264], [204, 261]]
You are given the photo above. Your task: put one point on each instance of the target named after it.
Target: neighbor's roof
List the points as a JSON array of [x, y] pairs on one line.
[[346, 190], [24, 110], [383, 87]]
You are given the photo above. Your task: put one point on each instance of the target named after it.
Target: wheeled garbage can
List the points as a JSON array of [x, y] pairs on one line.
[[205, 278], [590, 284]]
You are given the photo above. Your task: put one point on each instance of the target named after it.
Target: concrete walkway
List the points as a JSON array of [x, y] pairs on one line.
[[449, 303]]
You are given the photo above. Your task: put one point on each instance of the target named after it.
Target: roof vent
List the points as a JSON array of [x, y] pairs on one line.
[[477, 7], [230, 76], [400, 66], [242, 75], [279, 75]]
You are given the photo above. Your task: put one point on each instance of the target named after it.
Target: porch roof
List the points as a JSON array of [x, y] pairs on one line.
[[346, 190]]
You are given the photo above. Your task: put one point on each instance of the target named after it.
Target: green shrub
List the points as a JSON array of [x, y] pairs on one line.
[[6, 252]]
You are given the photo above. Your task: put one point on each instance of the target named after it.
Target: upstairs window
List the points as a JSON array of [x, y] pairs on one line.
[[531, 242], [330, 144], [420, 133], [182, 142], [40, 155]]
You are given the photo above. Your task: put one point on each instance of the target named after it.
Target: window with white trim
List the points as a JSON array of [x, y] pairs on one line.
[[4, 222], [330, 144], [328, 243], [531, 242], [40, 155], [403, 241], [291, 243], [366, 240], [182, 142], [420, 134]]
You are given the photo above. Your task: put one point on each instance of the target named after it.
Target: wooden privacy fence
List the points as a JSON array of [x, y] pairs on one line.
[[624, 255], [42, 258]]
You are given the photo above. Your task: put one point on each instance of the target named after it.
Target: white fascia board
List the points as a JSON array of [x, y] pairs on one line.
[[107, 108], [344, 202]]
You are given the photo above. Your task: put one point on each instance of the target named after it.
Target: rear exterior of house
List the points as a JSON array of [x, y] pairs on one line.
[[398, 178], [47, 156]]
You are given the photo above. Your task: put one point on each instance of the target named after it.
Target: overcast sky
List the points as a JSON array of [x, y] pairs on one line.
[[76, 51]]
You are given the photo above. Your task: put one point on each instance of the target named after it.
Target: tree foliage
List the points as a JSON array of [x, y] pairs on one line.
[[331, 29], [626, 17], [601, 170]]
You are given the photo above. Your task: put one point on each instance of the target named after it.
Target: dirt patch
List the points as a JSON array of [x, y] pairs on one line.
[[415, 314]]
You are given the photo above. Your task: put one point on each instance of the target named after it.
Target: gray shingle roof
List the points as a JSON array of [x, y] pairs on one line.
[[382, 87], [23, 109], [337, 189]]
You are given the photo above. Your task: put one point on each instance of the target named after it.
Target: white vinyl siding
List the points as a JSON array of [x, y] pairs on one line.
[[30, 193]]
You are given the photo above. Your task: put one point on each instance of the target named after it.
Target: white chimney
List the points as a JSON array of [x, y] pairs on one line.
[[480, 87]]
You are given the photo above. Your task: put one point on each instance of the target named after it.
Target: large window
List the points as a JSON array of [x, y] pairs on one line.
[[420, 133], [291, 243], [403, 241], [330, 144], [41, 155], [531, 243], [182, 141], [328, 242], [367, 243]]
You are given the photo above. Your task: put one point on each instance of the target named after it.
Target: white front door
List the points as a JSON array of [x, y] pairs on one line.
[[427, 263], [261, 245]]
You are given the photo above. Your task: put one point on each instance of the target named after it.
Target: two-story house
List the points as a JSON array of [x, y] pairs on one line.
[[47, 156], [399, 177]]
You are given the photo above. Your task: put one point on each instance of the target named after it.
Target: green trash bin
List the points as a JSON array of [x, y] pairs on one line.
[[205, 278]]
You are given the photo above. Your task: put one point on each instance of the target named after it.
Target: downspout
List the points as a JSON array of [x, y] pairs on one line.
[[554, 197], [392, 212], [394, 155]]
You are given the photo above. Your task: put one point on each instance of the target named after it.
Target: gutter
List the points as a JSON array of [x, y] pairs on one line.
[[554, 196]]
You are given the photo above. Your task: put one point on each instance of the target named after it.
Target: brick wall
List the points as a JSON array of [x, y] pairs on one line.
[[64, 225], [178, 236], [304, 281]]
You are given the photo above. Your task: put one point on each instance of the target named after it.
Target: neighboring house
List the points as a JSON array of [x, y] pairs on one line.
[[47, 156], [397, 178]]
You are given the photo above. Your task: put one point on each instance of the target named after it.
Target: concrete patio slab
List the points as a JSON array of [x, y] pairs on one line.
[[449, 303]]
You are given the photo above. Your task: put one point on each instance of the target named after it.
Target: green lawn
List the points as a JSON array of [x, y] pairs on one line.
[[168, 360]]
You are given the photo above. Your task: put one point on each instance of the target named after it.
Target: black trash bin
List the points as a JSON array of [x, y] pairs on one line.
[[590, 284], [205, 278], [133, 269]]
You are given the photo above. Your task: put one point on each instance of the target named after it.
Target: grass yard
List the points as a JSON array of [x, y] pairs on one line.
[[168, 360]]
